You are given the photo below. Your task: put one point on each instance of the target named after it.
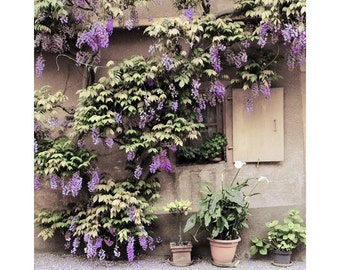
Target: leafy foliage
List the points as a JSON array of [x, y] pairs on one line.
[[284, 237], [78, 29], [55, 153], [223, 214], [117, 210], [138, 116], [213, 147]]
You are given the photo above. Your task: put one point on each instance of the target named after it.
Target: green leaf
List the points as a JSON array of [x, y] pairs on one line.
[[191, 222]]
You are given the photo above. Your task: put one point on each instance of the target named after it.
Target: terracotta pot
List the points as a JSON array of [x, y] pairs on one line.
[[181, 254], [223, 251]]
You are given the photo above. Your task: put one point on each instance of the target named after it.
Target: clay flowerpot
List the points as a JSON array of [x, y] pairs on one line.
[[282, 258], [223, 251], [181, 254]]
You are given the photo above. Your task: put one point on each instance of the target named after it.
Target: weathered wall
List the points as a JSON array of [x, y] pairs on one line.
[[286, 189]]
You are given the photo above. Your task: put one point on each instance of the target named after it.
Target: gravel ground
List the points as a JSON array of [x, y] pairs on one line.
[[53, 261]]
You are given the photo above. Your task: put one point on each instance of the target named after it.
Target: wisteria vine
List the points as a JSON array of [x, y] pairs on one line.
[[147, 105]]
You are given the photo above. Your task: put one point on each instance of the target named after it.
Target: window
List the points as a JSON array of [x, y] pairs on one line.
[[192, 152]]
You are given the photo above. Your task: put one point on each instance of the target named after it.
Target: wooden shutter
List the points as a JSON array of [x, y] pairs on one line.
[[258, 136]]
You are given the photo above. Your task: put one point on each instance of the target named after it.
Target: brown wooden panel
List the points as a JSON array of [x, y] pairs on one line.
[[258, 136]]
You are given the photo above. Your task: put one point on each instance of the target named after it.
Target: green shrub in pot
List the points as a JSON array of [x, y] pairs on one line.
[[223, 214], [283, 237]]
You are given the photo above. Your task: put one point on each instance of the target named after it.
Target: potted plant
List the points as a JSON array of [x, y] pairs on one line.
[[212, 148], [281, 239], [223, 215], [181, 250]]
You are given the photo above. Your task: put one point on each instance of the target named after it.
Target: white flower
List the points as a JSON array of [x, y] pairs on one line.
[[263, 178], [238, 164]]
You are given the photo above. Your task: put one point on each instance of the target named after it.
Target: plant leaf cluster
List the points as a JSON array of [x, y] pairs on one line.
[[284, 236], [118, 209], [223, 214]]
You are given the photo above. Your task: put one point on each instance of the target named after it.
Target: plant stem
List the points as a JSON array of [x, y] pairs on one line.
[[232, 182], [180, 228]]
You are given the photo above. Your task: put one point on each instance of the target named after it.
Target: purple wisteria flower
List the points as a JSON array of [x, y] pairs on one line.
[[35, 146], [109, 142], [131, 155], [167, 62], [161, 161], [132, 216], [160, 105], [95, 135], [90, 250], [245, 44], [54, 179], [75, 184], [249, 105], [202, 104], [73, 223], [290, 32], [118, 118], [75, 245], [39, 65], [153, 48], [143, 240], [195, 86], [53, 122], [99, 242], [199, 116], [150, 82], [265, 28], [130, 249], [138, 172], [95, 178], [255, 89], [215, 58], [96, 37], [174, 105], [189, 14], [143, 119], [218, 90], [101, 254], [151, 243], [37, 181], [109, 26], [116, 251], [80, 143], [82, 57], [173, 147], [129, 24], [67, 245], [63, 19], [159, 240], [80, 3], [265, 90], [108, 242], [237, 59]]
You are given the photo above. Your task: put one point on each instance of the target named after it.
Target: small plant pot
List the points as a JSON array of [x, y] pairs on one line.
[[282, 258], [181, 254], [216, 159]]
